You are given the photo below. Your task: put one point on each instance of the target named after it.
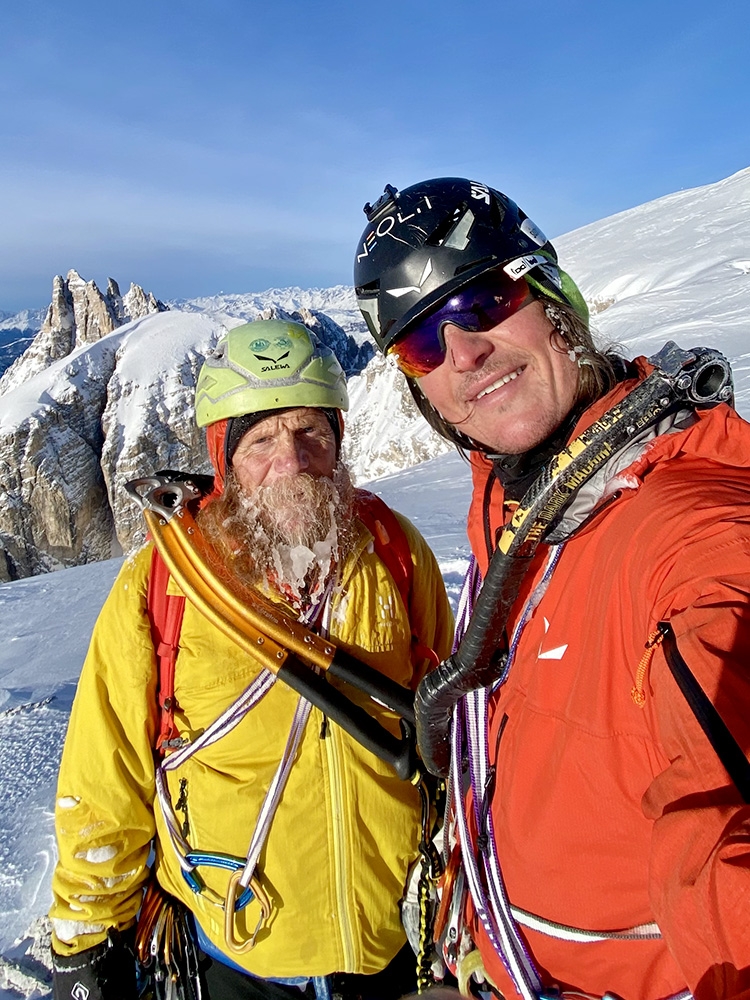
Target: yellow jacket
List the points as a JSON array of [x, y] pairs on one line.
[[346, 830]]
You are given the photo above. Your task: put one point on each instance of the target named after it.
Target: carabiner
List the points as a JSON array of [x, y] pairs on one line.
[[215, 859], [231, 906]]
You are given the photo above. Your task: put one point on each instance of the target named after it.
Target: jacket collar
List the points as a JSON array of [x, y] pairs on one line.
[[718, 433]]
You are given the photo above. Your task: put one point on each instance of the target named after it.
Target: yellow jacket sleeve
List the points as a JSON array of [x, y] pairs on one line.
[[104, 807]]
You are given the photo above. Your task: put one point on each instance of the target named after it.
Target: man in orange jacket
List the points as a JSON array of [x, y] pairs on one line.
[[605, 835]]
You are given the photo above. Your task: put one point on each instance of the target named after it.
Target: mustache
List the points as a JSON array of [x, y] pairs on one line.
[[290, 534]]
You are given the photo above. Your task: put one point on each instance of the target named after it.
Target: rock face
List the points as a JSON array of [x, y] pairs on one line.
[[352, 356], [78, 314], [384, 430], [71, 435], [107, 406], [53, 503], [148, 421]]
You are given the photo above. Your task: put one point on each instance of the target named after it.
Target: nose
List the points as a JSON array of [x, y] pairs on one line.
[[465, 351], [291, 456]]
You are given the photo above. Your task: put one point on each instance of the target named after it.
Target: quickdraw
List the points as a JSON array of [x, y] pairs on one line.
[[431, 869]]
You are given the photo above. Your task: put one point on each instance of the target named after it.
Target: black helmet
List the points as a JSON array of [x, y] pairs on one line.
[[423, 243]]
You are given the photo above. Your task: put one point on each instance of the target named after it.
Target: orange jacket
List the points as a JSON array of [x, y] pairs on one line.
[[608, 813]]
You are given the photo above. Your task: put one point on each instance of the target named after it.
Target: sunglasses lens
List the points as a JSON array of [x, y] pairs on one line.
[[477, 308], [419, 351]]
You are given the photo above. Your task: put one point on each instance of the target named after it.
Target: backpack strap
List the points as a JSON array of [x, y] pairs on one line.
[[165, 613], [392, 546], [391, 543]]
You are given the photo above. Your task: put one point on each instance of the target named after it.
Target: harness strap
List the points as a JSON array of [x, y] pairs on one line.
[[165, 613]]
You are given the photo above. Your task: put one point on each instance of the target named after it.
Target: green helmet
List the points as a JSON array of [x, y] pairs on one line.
[[270, 364]]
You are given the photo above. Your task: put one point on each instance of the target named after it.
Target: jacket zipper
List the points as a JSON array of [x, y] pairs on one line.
[[340, 852]]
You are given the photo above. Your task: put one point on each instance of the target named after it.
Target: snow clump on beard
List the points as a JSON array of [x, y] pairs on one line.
[[291, 534]]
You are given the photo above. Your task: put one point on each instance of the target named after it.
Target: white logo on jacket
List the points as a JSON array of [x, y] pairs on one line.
[[556, 653]]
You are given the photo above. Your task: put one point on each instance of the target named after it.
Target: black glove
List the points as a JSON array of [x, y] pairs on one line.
[[104, 972]]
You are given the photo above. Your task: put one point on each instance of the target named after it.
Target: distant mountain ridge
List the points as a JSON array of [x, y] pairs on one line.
[[78, 314], [74, 428], [17, 330]]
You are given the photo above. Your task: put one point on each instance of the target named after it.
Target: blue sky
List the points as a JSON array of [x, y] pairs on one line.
[[196, 147]]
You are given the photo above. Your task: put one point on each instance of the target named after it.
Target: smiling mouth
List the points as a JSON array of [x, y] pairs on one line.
[[500, 382]]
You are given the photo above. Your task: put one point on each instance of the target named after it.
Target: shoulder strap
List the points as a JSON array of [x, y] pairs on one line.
[[165, 613], [391, 543], [392, 546]]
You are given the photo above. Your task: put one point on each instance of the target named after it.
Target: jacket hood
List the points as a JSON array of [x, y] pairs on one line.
[[719, 432], [215, 437]]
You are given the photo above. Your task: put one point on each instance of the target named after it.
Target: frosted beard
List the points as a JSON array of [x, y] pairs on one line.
[[291, 534]]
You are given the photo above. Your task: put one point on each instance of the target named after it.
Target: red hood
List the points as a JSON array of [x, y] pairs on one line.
[[215, 436], [722, 437]]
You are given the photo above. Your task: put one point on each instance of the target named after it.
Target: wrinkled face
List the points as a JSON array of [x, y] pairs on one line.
[[294, 442], [508, 388]]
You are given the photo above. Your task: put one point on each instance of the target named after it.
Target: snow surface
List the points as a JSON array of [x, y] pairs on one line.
[[673, 269], [677, 268]]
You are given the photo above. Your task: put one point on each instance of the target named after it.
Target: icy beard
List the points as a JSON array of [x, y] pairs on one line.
[[290, 534]]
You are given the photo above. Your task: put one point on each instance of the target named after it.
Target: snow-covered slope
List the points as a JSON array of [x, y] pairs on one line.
[[673, 269]]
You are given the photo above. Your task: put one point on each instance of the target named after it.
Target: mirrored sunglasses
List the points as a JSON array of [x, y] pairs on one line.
[[477, 308]]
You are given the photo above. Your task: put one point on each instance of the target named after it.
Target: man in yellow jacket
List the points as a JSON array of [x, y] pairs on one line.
[[286, 840]]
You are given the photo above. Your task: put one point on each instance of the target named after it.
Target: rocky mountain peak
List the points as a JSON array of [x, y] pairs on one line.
[[78, 314]]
